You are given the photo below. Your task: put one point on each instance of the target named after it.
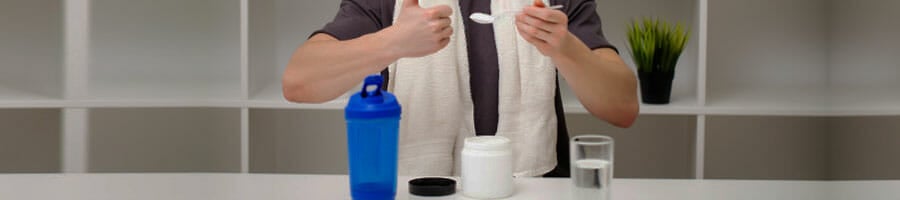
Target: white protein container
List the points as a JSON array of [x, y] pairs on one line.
[[487, 167]]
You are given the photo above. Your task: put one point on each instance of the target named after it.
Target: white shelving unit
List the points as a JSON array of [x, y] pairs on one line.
[[864, 64], [618, 14], [30, 52], [796, 144], [316, 146], [865, 101], [796, 101], [164, 50], [680, 105], [29, 140], [276, 30], [164, 140], [170, 73], [767, 57]]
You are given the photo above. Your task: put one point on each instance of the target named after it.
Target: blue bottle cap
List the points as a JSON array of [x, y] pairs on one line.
[[372, 102]]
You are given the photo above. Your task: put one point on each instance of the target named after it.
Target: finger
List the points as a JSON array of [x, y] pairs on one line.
[[444, 42], [534, 31], [549, 15], [528, 33], [439, 11], [533, 40], [411, 3], [446, 32], [440, 24], [539, 3], [535, 22]]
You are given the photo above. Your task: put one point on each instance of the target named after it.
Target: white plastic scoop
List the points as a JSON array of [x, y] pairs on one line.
[[483, 18]]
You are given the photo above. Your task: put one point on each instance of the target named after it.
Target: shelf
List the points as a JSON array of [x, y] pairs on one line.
[[678, 106], [767, 64], [164, 140], [167, 49], [806, 101], [682, 103], [862, 49], [162, 95], [298, 141], [755, 102], [272, 97], [654, 147], [11, 94], [864, 101], [863, 58], [785, 101], [29, 140], [616, 14], [31, 58], [780, 148], [276, 29], [14, 98], [864, 148]]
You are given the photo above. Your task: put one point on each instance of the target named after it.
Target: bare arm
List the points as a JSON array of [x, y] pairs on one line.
[[324, 68], [600, 79], [602, 82]]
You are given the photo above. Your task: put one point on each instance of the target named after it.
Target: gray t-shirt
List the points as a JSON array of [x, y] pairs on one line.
[[360, 17]]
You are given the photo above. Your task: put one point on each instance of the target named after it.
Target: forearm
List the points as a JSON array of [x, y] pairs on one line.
[[323, 69], [603, 83]]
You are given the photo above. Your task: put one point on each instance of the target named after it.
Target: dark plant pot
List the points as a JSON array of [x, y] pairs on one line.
[[656, 87]]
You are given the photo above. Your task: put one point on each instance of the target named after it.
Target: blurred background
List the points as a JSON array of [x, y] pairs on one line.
[[766, 89]]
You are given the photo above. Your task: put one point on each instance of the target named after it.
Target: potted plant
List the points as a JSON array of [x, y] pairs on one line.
[[656, 46]]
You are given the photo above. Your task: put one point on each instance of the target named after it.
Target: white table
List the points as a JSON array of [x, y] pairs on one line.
[[325, 187]]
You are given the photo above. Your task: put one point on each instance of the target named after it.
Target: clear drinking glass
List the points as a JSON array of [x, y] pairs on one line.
[[592, 166]]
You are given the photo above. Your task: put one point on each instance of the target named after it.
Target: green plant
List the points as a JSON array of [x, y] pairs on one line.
[[656, 45]]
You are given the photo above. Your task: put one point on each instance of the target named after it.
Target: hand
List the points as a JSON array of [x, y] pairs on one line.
[[546, 29], [419, 31]]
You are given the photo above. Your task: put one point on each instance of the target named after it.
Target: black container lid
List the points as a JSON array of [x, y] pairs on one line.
[[432, 186]]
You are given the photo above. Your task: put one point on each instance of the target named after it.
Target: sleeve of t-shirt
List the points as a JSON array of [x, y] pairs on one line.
[[584, 23], [356, 18]]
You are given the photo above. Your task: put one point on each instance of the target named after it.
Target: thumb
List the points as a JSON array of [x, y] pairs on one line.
[[539, 3], [411, 3]]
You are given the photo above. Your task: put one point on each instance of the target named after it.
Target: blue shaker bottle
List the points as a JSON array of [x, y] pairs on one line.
[[373, 121]]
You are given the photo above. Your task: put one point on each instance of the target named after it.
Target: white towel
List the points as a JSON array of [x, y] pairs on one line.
[[438, 108]]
